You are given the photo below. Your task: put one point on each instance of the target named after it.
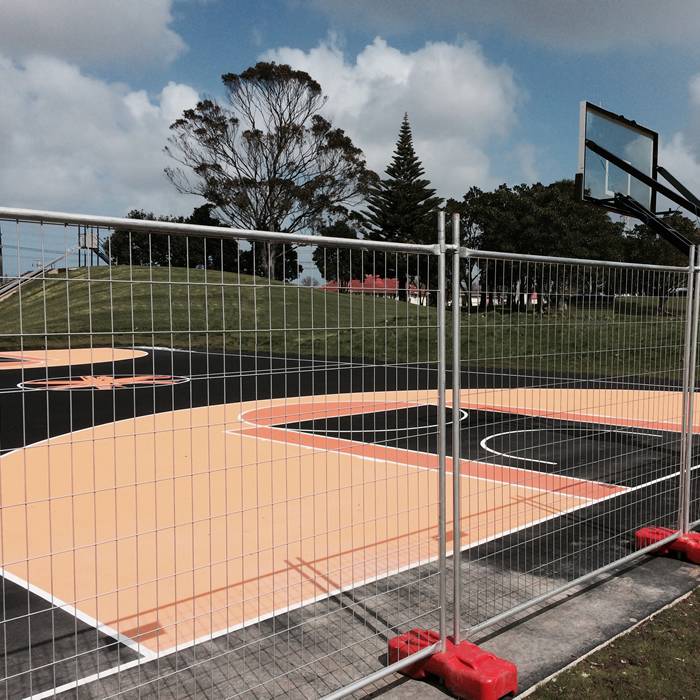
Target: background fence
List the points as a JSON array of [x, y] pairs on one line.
[[227, 458]]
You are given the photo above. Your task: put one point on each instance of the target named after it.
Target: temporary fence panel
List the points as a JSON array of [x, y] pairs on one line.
[[692, 518], [573, 384], [220, 470]]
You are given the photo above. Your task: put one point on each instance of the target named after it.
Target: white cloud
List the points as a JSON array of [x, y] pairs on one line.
[[90, 32], [694, 91], [574, 25], [72, 142], [256, 37], [526, 155], [681, 153], [458, 104], [681, 157]]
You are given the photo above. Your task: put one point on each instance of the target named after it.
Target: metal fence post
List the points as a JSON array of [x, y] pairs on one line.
[[442, 442], [689, 360], [456, 446]]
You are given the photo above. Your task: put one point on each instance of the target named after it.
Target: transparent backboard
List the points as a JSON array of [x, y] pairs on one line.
[[599, 179]]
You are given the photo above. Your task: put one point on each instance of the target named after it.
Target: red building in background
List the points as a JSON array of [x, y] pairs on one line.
[[376, 285]]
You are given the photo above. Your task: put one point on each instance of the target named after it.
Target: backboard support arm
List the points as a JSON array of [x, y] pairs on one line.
[[687, 204], [678, 185], [633, 208]]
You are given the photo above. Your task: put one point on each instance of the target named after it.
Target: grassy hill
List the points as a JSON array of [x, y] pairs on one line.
[[200, 309]]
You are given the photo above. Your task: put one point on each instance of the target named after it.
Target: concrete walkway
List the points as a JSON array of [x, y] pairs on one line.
[[553, 636]]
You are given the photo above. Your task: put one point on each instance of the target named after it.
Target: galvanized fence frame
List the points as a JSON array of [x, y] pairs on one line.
[[451, 604], [688, 389], [58, 224]]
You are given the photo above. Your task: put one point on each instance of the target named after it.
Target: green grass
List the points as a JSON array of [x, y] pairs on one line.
[[657, 660], [201, 309], [213, 310]]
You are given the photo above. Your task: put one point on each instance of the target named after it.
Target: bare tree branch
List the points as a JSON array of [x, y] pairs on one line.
[[266, 158]]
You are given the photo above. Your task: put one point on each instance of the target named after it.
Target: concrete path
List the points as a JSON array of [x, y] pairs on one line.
[[553, 636]]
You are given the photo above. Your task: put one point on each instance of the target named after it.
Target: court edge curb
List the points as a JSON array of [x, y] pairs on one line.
[[604, 644]]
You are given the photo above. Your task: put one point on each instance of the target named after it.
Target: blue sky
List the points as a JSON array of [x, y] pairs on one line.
[[648, 82], [492, 88]]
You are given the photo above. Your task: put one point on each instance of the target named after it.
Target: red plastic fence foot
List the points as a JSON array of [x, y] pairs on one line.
[[464, 669], [686, 547]]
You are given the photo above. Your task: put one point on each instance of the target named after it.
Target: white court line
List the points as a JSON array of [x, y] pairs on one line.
[[257, 426], [505, 454], [168, 380], [57, 603], [391, 572], [325, 596], [362, 431], [658, 480], [561, 430], [577, 417], [289, 608], [384, 460], [145, 652], [152, 655], [72, 685], [432, 366]]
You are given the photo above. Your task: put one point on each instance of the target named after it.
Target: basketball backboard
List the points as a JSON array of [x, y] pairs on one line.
[[598, 179]]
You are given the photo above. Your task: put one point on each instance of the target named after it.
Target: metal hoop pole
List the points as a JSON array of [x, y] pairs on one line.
[[456, 443], [442, 442], [689, 360]]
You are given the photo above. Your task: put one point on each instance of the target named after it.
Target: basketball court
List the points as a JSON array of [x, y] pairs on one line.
[[150, 497], [157, 501]]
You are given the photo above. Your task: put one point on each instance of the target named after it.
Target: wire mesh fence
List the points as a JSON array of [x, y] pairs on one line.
[[209, 475], [224, 455], [573, 382]]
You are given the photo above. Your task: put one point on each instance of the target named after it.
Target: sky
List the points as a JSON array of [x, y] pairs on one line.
[[491, 87]]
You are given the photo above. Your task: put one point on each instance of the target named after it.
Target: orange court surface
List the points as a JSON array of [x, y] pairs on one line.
[[181, 524]]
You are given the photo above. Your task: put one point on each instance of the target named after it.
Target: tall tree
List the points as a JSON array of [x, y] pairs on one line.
[[643, 245], [401, 208], [133, 247], [343, 264], [267, 159], [539, 220]]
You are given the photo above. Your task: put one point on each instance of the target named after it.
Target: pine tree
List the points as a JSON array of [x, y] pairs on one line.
[[401, 209]]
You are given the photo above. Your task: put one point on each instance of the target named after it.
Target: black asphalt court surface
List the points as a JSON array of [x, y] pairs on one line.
[[596, 452]]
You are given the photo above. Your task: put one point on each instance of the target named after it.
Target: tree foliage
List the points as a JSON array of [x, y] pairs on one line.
[[645, 246], [537, 220], [134, 247], [343, 264], [551, 220], [401, 209], [266, 158]]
